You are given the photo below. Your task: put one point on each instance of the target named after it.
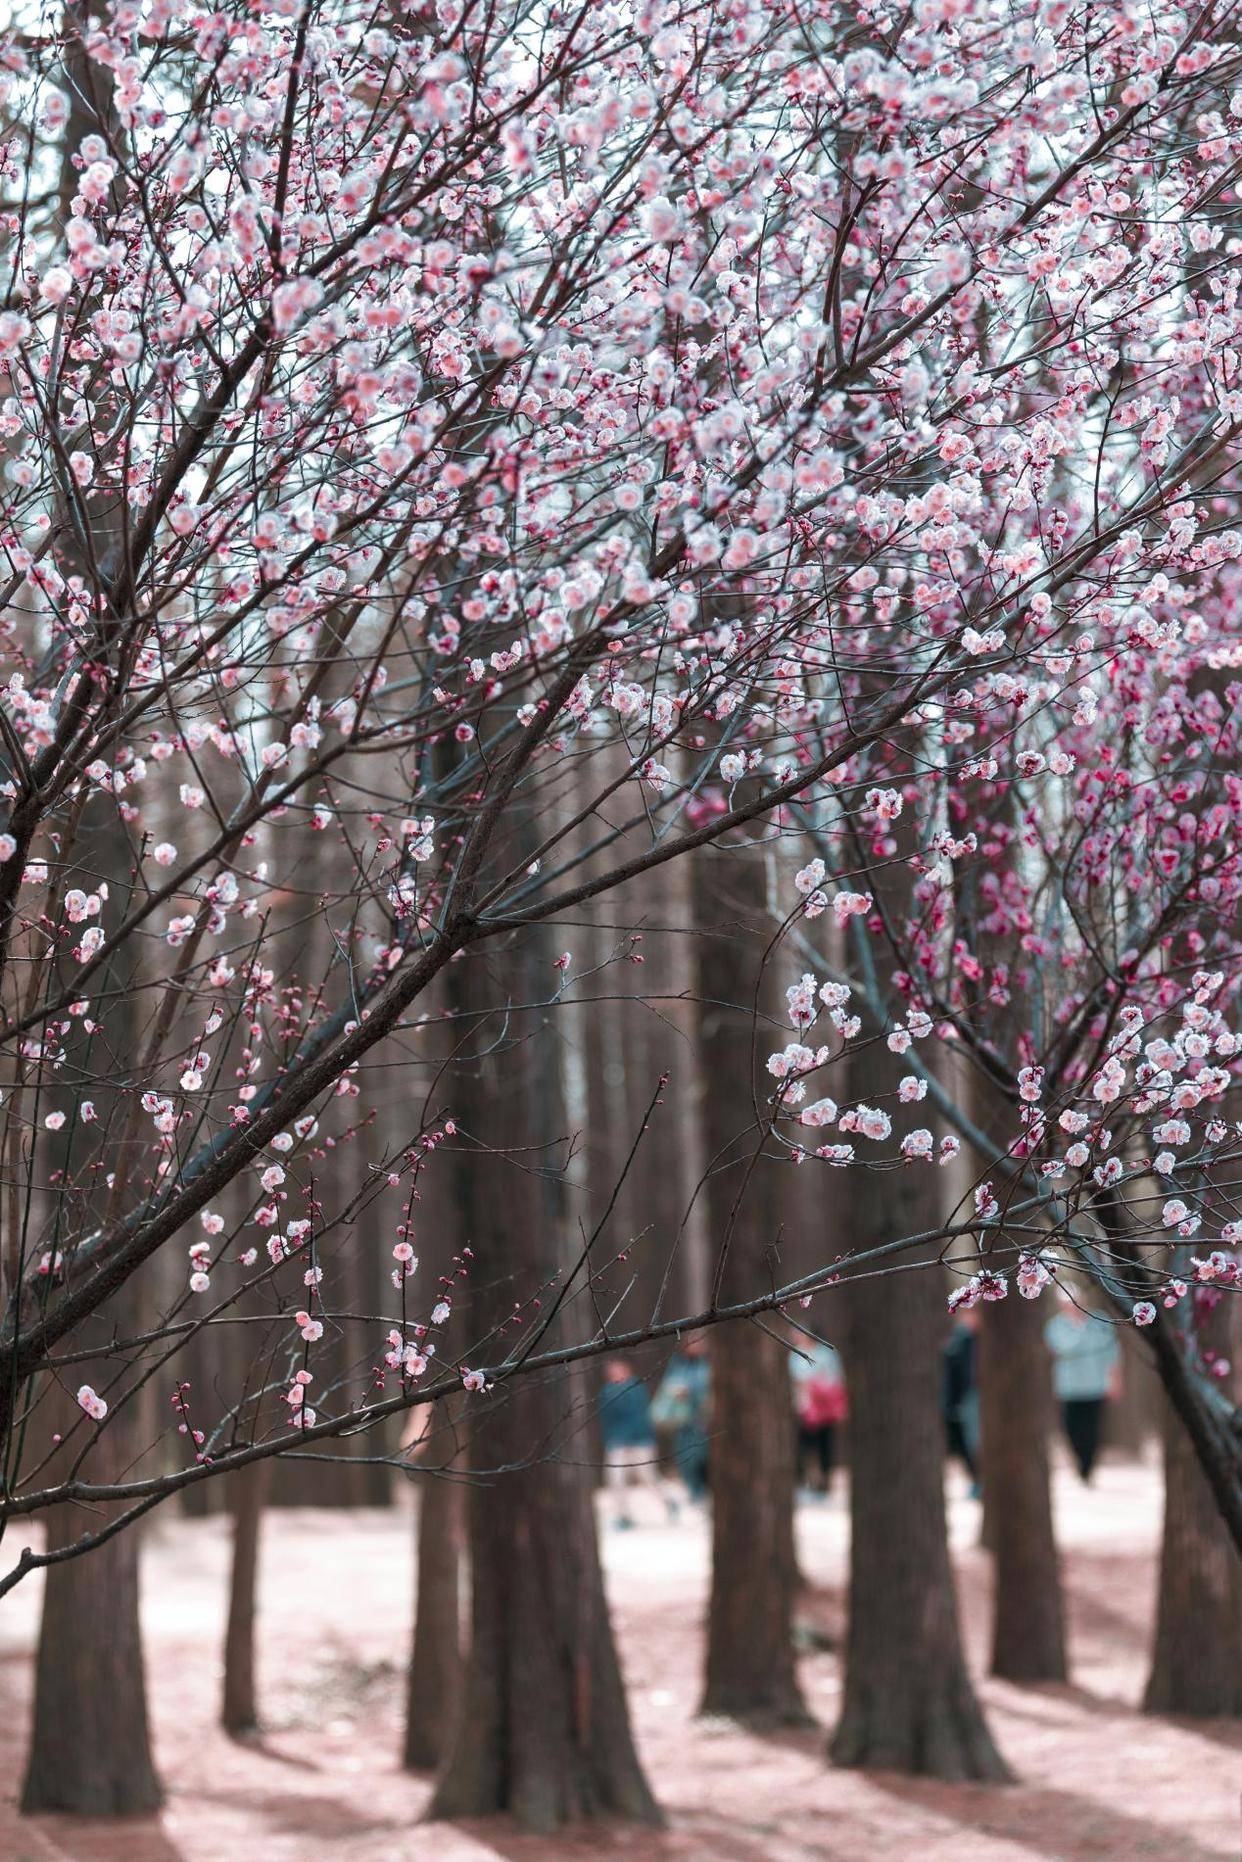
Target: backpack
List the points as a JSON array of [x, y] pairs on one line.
[[821, 1401]]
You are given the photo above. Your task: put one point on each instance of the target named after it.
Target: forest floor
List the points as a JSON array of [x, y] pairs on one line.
[[1098, 1778]]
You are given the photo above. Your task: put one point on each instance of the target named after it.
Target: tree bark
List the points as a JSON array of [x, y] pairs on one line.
[[90, 1748], [1136, 1413], [88, 1754], [1028, 1626], [544, 1733], [1196, 1664], [751, 1672], [1015, 1383], [433, 1691], [909, 1703], [239, 1710]]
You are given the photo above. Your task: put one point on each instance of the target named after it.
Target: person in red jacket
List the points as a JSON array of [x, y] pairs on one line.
[[820, 1406]]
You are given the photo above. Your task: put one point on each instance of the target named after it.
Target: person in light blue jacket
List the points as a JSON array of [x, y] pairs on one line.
[[1086, 1373], [681, 1409]]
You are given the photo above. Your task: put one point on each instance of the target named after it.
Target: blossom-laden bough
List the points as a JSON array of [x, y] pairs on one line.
[[518, 446]]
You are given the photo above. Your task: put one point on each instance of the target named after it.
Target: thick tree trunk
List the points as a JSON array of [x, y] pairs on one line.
[[433, 1692], [1028, 1627], [349, 1472], [544, 1732], [1196, 1664], [89, 1753], [1015, 1417], [239, 1710], [90, 1748], [751, 1672], [909, 1704]]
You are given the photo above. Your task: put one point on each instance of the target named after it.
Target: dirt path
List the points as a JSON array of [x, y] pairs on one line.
[[1098, 1778]]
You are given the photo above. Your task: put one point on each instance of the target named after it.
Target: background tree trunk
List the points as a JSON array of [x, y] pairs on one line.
[[909, 1703], [544, 1732], [1028, 1626], [1015, 1382], [908, 1699], [751, 1672], [239, 1710], [90, 1748], [1196, 1663], [1135, 1415], [434, 1684]]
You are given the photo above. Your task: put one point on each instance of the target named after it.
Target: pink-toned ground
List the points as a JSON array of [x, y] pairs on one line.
[[1098, 1778]]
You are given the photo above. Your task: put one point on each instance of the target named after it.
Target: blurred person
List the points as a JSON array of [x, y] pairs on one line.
[[1086, 1373], [681, 1410], [820, 1405], [629, 1438], [959, 1394]]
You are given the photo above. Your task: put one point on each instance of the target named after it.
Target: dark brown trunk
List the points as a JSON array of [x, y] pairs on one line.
[[87, 1755], [909, 1703], [1196, 1663], [240, 1711], [751, 1673], [1015, 1397], [435, 1670], [1028, 1628], [350, 1472], [672, 1168], [544, 1732], [90, 1748], [433, 1692]]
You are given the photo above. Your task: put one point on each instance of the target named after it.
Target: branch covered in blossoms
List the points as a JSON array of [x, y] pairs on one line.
[[458, 461]]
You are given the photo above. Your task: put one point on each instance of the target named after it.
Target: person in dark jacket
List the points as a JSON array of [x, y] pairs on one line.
[[959, 1398], [629, 1439], [682, 1408]]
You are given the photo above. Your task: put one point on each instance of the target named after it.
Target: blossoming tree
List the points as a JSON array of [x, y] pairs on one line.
[[524, 445]]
